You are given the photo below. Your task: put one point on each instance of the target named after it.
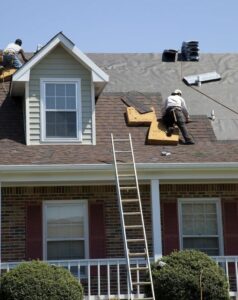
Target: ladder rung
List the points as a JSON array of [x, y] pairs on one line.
[[145, 298], [142, 283], [137, 254], [124, 163], [126, 175], [122, 151], [139, 268], [135, 240], [127, 187], [137, 213], [130, 200], [121, 140], [133, 226]]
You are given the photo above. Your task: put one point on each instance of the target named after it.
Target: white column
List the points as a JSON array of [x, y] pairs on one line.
[[156, 219]]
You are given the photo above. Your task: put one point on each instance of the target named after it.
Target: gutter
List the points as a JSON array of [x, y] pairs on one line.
[[101, 173]]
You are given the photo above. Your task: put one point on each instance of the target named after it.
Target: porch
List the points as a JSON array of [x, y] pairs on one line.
[[106, 278]]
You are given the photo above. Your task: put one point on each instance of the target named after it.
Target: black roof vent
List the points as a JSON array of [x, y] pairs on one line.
[[169, 55], [190, 51]]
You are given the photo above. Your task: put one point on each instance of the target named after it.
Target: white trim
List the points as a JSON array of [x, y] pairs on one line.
[[0, 226], [156, 219], [217, 201], [93, 114], [27, 114], [23, 73], [77, 82], [86, 222]]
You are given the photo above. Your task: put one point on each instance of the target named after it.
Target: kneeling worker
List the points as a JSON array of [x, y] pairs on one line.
[[174, 111], [10, 55]]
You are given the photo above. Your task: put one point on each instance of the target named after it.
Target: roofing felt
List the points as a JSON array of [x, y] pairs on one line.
[[149, 73], [110, 118]]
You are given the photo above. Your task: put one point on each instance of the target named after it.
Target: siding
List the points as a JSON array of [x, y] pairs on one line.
[[59, 64]]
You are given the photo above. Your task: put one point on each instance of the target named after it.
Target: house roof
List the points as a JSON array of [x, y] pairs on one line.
[[110, 118], [147, 72]]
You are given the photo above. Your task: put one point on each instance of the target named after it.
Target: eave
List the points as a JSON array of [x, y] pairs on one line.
[[86, 174]]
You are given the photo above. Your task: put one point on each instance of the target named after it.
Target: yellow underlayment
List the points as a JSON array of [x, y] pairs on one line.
[[157, 132], [6, 74], [157, 135]]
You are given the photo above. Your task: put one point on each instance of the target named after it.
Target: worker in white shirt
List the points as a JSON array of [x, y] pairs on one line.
[[10, 55], [174, 111]]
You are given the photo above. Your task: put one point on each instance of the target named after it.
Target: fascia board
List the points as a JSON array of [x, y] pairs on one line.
[[219, 172]]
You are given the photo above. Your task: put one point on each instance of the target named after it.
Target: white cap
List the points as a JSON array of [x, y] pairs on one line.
[[177, 92]]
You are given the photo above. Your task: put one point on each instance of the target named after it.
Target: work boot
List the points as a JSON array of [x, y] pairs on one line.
[[189, 142], [170, 131]]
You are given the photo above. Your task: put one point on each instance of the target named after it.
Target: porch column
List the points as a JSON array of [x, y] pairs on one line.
[[156, 219], [0, 226]]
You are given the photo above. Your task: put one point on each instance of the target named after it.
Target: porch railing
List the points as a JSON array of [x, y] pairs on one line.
[[107, 279], [101, 278]]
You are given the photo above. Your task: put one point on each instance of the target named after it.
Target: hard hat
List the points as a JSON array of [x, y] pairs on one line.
[[178, 92]]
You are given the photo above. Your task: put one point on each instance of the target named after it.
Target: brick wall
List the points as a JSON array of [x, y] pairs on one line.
[[16, 199]]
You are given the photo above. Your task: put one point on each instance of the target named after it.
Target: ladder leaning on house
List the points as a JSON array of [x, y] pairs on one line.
[[132, 220]]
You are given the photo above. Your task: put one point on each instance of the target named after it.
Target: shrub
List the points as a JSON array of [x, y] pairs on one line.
[[39, 281], [189, 275]]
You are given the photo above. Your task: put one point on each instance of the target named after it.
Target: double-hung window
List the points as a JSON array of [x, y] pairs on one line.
[[61, 110], [65, 230], [200, 225]]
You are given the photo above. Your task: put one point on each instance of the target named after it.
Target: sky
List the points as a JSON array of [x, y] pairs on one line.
[[123, 26]]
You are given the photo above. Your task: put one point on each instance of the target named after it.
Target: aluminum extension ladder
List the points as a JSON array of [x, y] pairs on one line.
[[132, 221]]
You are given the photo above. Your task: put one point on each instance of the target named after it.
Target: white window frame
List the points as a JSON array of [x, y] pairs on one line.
[[77, 82], [217, 201], [48, 203]]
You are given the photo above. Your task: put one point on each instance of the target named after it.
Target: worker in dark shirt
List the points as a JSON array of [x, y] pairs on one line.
[[174, 111]]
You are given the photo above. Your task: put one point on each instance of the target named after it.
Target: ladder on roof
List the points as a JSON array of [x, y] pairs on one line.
[[132, 220]]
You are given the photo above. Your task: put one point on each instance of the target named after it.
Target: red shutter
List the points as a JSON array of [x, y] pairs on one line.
[[97, 231], [230, 227], [34, 232], [170, 227]]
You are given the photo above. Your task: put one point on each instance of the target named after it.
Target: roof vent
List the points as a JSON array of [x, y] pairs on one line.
[[190, 51], [169, 55]]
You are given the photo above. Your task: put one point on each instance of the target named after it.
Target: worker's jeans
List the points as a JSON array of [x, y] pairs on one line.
[[176, 116], [11, 61]]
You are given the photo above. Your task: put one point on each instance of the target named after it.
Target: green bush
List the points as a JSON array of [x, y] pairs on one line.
[[39, 281], [189, 275]]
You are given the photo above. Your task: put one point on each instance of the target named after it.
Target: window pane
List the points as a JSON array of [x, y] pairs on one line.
[[60, 250], [60, 90], [71, 103], [50, 102], [207, 245], [71, 90], [60, 102], [61, 124], [50, 89]]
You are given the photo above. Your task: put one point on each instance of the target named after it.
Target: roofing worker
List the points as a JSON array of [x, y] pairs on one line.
[[10, 55], [174, 111]]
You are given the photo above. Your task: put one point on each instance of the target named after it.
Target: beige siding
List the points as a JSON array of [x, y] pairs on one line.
[[59, 64]]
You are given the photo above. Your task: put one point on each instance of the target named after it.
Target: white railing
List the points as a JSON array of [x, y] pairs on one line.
[[230, 266], [107, 278], [101, 278]]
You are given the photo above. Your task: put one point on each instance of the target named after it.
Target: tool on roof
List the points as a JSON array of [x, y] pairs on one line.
[[132, 220]]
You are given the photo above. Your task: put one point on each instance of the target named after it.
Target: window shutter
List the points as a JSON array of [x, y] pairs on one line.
[[170, 227], [97, 231], [34, 247], [230, 225]]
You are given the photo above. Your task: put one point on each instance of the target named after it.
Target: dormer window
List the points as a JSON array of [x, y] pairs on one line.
[[61, 110]]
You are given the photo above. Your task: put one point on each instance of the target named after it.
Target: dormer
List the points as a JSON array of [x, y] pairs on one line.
[[59, 85]]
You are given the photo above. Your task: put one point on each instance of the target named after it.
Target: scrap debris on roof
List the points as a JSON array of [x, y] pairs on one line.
[[200, 78], [132, 99]]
